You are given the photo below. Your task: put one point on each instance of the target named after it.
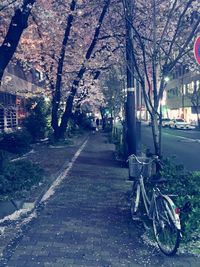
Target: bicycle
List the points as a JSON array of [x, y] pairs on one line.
[[159, 208]]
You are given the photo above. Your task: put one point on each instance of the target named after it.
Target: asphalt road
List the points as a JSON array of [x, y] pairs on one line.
[[184, 145]]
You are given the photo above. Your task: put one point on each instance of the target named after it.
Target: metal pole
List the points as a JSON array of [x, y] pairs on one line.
[[130, 105]]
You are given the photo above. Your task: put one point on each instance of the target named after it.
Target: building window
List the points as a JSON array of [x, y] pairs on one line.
[[191, 88], [1, 119], [11, 118], [187, 69], [197, 85], [184, 89]]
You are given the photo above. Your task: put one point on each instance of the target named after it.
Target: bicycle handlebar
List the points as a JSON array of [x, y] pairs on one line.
[[154, 158]]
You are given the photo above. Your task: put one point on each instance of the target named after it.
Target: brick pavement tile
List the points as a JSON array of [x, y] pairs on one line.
[[55, 264], [20, 263], [84, 262], [17, 263]]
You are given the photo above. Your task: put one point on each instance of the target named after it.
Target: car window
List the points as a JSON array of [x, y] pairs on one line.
[[180, 120]]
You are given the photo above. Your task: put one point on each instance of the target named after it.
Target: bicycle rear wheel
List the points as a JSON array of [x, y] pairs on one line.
[[165, 227]]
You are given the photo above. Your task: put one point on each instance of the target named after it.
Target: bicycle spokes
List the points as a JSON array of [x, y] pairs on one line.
[[166, 233]]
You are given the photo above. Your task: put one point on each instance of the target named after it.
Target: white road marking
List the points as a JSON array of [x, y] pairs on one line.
[[184, 138], [62, 176]]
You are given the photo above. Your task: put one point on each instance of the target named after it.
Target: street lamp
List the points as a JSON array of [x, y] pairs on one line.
[[167, 79]]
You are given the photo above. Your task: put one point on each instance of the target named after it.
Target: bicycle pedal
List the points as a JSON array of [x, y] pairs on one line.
[[135, 218]]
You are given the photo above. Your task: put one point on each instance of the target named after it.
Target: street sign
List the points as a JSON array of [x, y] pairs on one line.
[[197, 50]]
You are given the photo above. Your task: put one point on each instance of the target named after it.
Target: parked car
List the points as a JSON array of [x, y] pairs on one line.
[[180, 124], [166, 122]]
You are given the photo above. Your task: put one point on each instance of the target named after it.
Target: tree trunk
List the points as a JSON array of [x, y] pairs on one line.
[[198, 119], [18, 23], [57, 94], [156, 133]]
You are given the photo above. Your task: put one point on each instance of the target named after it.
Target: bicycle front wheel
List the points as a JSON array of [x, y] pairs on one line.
[[134, 200], [166, 231]]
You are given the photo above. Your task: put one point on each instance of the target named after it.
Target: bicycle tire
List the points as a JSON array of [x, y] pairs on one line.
[[134, 200], [167, 234]]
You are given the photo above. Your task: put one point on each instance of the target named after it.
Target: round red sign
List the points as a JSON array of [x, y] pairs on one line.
[[197, 49]]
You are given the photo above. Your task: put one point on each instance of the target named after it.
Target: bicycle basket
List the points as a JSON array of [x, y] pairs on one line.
[[135, 167]]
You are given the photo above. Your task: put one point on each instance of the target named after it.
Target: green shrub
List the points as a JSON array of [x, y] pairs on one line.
[[17, 177], [17, 142], [117, 140], [186, 185], [37, 121]]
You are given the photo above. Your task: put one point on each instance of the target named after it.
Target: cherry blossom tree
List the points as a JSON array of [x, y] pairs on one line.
[[89, 50], [18, 23], [72, 54], [61, 52]]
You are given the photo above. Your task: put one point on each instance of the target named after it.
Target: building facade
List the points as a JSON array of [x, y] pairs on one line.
[[182, 88], [15, 88]]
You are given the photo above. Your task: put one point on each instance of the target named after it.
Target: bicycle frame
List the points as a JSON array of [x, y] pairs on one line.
[[141, 189], [150, 205]]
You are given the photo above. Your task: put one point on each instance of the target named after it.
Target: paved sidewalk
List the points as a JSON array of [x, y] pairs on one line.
[[87, 221]]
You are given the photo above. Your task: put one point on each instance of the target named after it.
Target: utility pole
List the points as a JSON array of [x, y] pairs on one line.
[[130, 104]]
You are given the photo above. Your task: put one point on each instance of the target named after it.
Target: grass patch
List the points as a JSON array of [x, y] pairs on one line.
[[17, 178], [17, 142]]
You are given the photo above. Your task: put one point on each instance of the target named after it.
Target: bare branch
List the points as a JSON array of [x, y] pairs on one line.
[[177, 29], [8, 4]]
